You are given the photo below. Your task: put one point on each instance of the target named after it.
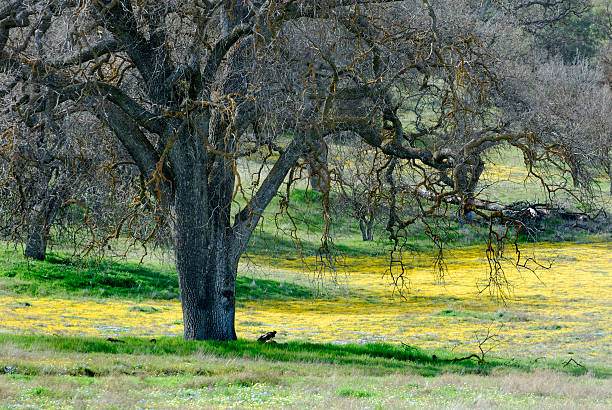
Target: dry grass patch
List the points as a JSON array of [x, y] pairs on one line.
[[245, 385], [548, 383]]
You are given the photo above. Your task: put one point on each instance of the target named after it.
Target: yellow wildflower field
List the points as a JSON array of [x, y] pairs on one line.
[[564, 311]]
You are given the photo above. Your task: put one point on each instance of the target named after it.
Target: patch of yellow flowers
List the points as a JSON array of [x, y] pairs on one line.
[[564, 311]]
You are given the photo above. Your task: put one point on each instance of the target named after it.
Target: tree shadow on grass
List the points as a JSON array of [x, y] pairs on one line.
[[58, 275], [378, 358]]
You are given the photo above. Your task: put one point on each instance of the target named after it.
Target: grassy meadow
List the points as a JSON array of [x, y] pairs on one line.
[[359, 334], [345, 341], [562, 312]]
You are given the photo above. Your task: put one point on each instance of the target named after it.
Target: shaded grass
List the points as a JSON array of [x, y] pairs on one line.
[[384, 357], [58, 275]]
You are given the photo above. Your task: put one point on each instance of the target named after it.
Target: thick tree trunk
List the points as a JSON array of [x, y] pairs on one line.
[[43, 215], [206, 260], [466, 179], [206, 268], [36, 244], [207, 292], [203, 240], [465, 217], [207, 246]]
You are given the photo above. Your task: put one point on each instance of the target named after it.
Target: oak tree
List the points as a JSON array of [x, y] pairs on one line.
[[193, 89]]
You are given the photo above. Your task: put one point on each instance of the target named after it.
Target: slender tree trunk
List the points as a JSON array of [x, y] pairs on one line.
[[366, 226], [610, 174], [370, 227], [363, 229]]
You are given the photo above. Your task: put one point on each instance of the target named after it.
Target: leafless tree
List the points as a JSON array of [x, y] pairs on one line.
[[192, 89], [571, 102], [52, 160], [359, 177], [540, 13]]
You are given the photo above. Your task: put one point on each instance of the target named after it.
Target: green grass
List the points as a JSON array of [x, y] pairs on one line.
[[58, 275], [50, 371], [354, 393], [275, 238], [384, 357], [304, 220]]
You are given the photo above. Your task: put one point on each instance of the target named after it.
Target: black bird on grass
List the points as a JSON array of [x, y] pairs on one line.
[[267, 336]]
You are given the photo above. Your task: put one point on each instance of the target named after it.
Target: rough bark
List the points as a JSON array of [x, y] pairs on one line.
[[202, 233], [207, 278], [36, 244], [202, 239], [207, 246], [42, 218], [175, 87], [318, 168]]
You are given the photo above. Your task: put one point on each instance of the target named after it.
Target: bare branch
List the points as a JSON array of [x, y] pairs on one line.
[[247, 219], [95, 51]]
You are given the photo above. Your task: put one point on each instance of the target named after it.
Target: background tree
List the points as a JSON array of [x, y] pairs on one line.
[[570, 29], [571, 100], [359, 181], [605, 59], [56, 174]]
